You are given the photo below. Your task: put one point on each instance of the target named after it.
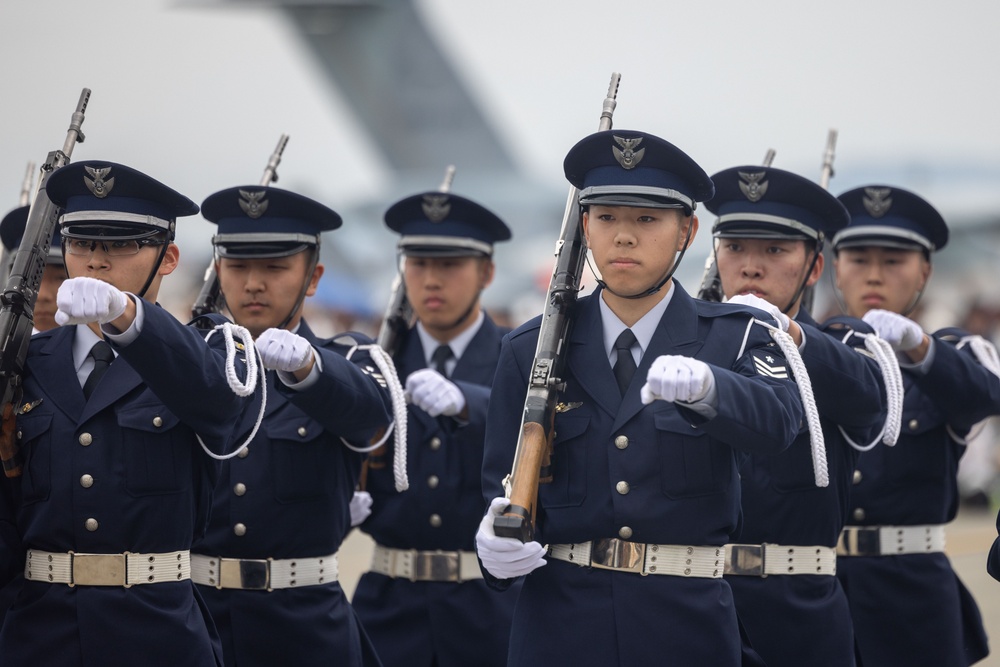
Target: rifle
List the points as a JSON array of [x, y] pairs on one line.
[[399, 312], [7, 254], [534, 444], [29, 180], [395, 322], [17, 302], [824, 180], [828, 155], [211, 299], [711, 284]]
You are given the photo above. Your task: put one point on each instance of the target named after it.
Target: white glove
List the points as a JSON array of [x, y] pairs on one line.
[[900, 332], [677, 378], [361, 507], [434, 393], [762, 304], [84, 300], [505, 557], [282, 350]]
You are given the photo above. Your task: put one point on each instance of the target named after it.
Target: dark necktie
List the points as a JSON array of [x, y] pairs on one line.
[[625, 366], [440, 359], [102, 355]]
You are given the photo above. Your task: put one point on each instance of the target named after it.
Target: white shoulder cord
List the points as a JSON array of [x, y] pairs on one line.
[[240, 388], [986, 354], [794, 359], [984, 351], [398, 424], [888, 365]]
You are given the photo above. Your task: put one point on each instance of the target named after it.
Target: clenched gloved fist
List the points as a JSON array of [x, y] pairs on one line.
[[900, 332], [434, 393], [505, 557], [762, 304], [84, 300], [361, 507], [282, 350], [677, 378]]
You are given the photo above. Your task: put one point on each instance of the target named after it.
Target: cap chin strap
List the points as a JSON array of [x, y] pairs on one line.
[[152, 274], [802, 288], [658, 286], [468, 311], [913, 304], [838, 295], [156, 267], [302, 293]]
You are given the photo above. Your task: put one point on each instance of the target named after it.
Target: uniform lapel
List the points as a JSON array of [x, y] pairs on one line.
[[118, 381], [802, 317], [677, 333], [588, 360], [49, 370], [410, 359], [474, 365]]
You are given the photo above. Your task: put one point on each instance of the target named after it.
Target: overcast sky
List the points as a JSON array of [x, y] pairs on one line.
[[191, 91], [197, 93]]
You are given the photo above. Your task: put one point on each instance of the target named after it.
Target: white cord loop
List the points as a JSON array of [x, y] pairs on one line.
[[239, 387], [986, 354], [398, 424], [794, 359], [984, 351], [888, 365]]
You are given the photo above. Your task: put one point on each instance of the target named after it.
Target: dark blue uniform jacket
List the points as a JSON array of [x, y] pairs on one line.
[[913, 609], [298, 481], [415, 623], [682, 471], [151, 493], [782, 505]]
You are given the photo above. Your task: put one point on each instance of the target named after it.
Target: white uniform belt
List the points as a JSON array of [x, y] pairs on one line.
[[890, 540], [762, 560], [623, 556], [124, 569], [426, 565], [263, 574]]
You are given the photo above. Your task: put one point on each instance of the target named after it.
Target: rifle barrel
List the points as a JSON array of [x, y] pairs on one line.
[[29, 180], [531, 456]]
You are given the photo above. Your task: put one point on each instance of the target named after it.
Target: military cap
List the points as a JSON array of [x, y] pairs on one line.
[[629, 168], [767, 203], [440, 224], [12, 229], [882, 215], [260, 221], [101, 199]]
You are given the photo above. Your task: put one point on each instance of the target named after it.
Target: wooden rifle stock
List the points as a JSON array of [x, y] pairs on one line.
[[531, 458], [530, 463], [210, 298], [17, 302]]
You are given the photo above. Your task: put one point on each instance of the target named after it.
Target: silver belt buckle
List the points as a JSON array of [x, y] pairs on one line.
[[745, 559], [99, 570], [860, 541], [247, 574], [615, 554], [435, 567]]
